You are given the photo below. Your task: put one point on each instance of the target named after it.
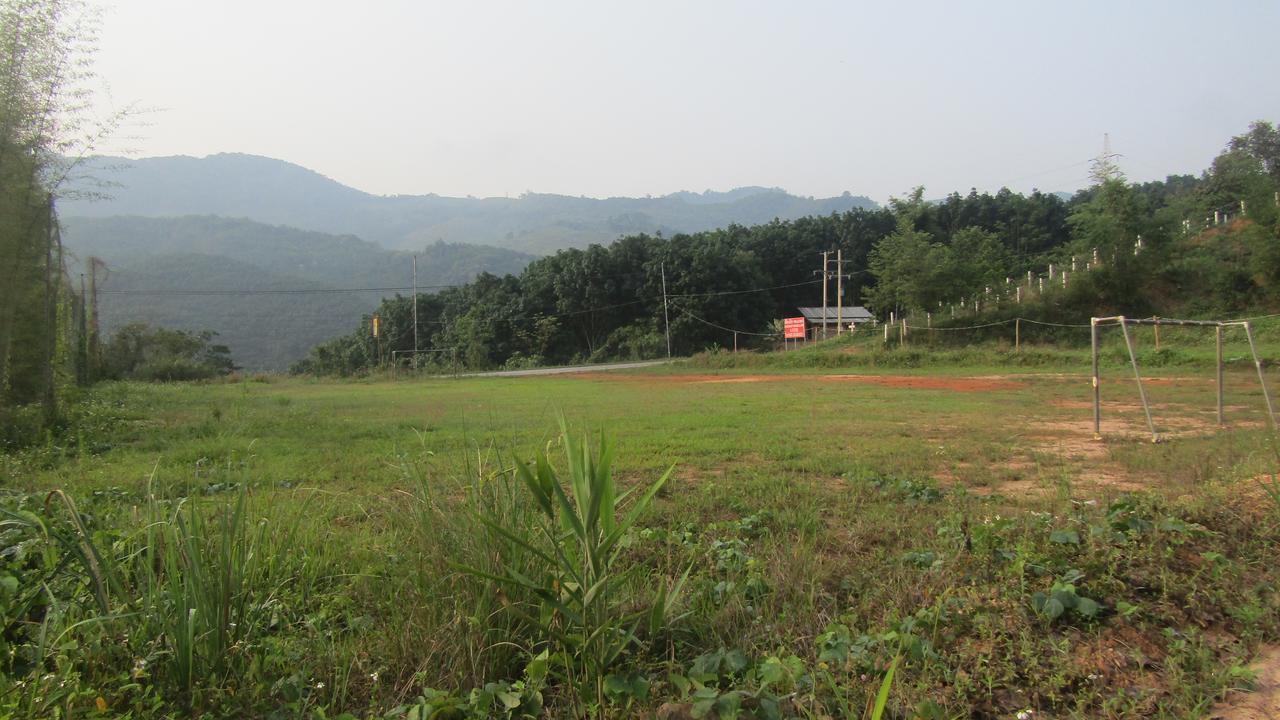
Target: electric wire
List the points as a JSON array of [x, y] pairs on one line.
[[742, 292], [308, 291], [572, 313], [1002, 322], [270, 291], [602, 307], [1256, 317], [721, 327], [967, 327], [1054, 324]]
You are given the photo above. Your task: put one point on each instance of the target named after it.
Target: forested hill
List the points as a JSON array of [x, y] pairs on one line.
[[158, 269], [1209, 245], [281, 193], [606, 302]]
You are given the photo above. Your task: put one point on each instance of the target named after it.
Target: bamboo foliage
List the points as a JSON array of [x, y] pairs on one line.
[[45, 63]]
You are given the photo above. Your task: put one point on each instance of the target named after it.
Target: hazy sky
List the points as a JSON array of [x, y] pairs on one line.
[[646, 97]]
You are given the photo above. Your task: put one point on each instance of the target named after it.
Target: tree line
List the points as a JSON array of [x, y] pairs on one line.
[[607, 302]]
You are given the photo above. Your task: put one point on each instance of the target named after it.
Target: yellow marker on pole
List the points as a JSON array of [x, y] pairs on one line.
[[376, 323]]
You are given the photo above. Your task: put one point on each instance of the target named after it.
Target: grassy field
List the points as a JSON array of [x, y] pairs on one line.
[[960, 525]]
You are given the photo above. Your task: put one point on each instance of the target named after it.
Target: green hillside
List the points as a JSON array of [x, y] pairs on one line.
[[264, 331], [154, 264], [1185, 246]]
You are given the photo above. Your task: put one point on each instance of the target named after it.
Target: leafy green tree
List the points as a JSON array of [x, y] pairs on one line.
[[905, 265], [1028, 226], [1109, 222], [706, 277], [1239, 176], [977, 260], [140, 352], [908, 267], [1262, 142]]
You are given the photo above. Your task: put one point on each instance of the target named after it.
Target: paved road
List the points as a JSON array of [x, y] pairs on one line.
[[568, 369]]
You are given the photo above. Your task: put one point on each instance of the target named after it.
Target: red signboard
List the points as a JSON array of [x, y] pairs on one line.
[[793, 328]]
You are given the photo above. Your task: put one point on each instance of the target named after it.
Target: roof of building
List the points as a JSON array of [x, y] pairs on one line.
[[854, 313]]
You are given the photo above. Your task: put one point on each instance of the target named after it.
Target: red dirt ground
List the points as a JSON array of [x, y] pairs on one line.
[[1263, 703]]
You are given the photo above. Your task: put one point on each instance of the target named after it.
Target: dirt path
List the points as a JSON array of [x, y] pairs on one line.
[[1263, 703]]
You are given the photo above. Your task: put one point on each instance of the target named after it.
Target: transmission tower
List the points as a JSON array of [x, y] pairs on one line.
[[1104, 165]]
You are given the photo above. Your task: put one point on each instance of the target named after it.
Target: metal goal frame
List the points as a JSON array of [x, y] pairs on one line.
[[1124, 323]]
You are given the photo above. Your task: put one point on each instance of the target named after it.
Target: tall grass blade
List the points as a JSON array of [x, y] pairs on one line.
[[882, 697]]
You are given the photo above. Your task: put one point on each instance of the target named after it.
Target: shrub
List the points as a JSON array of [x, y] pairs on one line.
[[580, 581]]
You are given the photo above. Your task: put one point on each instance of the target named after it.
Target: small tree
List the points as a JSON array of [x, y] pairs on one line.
[[139, 352]]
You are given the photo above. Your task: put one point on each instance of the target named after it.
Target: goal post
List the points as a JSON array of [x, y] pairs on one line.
[[1124, 322]]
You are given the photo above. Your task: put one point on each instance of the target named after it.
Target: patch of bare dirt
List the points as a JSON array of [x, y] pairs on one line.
[[1038, 375], [1126, 420], [1073, 441], [693, 474], [1017, 478], [1015, 489], [1178, 380], [1261, 703]]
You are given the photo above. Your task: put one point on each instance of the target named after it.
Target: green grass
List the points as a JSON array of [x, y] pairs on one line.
[[832, 525]]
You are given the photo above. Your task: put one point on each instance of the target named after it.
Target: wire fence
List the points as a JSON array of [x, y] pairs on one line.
[[1013, 332]]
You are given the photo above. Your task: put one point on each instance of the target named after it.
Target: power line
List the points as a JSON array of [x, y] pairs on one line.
[[570, 313], [1053, 324], [967, 327], [998, 322], [312, 291], [286, 291], [602, 307], [1255, 317], [743, 292], [721, 327]]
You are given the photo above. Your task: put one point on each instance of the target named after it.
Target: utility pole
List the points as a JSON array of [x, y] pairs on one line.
[[414, 361], [839, 290], [825, 275], [82, 337], [49, 398], [666, 316], [95, 339]]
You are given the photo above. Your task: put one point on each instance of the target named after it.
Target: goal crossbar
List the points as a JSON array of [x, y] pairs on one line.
[[1124, 323]]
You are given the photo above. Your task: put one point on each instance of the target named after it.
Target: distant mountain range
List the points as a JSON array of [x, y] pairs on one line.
[[237, 223], [281, 193]]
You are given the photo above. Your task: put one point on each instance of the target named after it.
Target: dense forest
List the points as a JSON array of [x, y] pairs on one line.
[[1208, 245]]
